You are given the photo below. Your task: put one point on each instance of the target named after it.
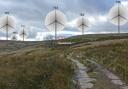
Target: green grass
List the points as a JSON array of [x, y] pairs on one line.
[[35, 65], [96, 37], [39, 68], [112, 56]]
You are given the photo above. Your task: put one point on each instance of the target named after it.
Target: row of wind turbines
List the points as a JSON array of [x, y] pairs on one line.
[[56, 20], [7, 23]]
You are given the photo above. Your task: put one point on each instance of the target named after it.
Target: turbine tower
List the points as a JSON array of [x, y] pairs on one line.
[[7, 23], [118, 15]]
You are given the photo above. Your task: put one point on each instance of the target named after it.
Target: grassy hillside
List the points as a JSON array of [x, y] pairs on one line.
[[96, 37], [35, 67], [7, 46], [111, 55], [39, 65]]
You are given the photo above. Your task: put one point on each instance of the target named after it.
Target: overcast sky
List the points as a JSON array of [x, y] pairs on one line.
[[32, 13]]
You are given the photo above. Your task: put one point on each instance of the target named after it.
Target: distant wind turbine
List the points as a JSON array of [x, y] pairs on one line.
[[23, 33], [82, 23], [7, 23], [118, 15], [55, 20], [14, 37]]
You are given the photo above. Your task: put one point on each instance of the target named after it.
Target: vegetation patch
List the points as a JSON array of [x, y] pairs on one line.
[[40, 69], [112, 56]]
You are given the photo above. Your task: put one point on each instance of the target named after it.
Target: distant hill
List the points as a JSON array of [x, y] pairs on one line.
[[96, 37]]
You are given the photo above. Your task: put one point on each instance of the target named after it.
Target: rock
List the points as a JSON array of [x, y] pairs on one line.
[[87, 86], [84, 81], [117, 82]]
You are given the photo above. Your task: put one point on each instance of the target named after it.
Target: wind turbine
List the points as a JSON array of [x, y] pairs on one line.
[[82, 23], [55, 21], [23, 33], [7, 23], [118, 15], [14, 37]]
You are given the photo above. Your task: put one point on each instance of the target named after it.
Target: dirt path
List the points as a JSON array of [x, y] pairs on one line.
[[81, 76], [104, 79]]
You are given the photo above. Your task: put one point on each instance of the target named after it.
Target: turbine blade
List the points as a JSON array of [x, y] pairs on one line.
[[11, 26], [80, 26], [2, 27], [114, 17], [51, 23], [123, 17], [60, 23], [86, 25], [83, 25]]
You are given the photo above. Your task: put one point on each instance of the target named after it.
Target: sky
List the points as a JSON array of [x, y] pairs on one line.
[[32, 13]]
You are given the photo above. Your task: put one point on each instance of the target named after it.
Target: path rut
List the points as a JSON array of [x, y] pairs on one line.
[[82, 78]]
